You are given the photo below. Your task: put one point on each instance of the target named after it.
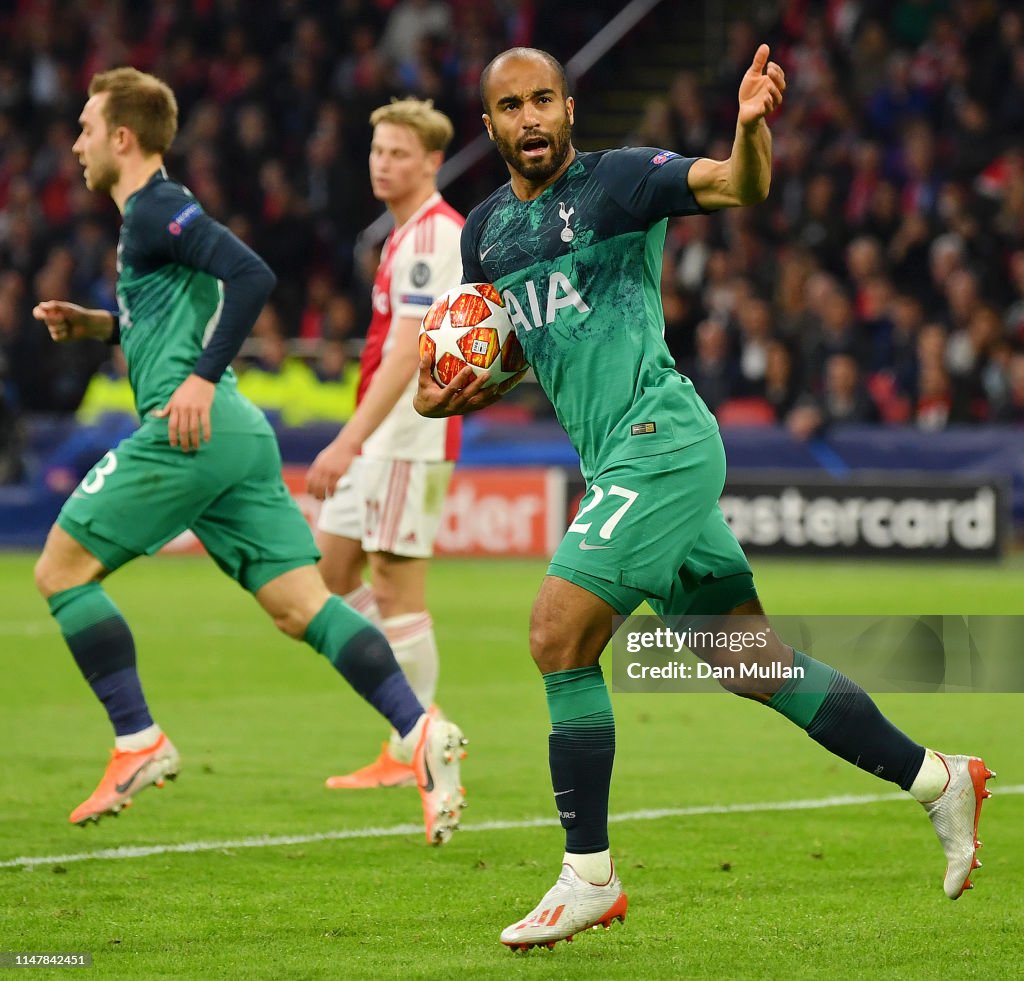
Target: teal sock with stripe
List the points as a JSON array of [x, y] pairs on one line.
[[581, 751], [837, 713], [104, 650], [362, 656]]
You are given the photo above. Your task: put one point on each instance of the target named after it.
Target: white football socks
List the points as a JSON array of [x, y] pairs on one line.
[[363, 601], [411, 636], [931, 779], [595, 868], [135, 741]]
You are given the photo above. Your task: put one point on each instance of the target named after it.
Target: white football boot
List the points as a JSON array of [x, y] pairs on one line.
[[954, 815], [439, 750], [572, 904]]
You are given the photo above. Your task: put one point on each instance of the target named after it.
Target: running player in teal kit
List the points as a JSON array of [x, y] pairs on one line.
[[574, 244], [203, 458]]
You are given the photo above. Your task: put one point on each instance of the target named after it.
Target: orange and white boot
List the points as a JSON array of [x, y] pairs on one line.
[[439, 751], [955, 814], [392, 768], [127, 773], [571, 905], [385, 771]]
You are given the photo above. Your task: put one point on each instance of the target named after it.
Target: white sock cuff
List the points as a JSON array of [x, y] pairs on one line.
[[142, 739], [595, 868], [362, 600], [931, 779]]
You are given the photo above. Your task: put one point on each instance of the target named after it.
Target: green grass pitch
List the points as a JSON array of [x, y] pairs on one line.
[[843, 891]]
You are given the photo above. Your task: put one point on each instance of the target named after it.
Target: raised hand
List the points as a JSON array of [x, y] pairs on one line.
[[761, 88]]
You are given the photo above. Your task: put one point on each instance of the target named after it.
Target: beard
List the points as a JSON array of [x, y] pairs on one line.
[[539, 170], [102, 176]]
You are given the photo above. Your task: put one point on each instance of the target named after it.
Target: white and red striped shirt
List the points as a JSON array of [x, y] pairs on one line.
[[420, 260]]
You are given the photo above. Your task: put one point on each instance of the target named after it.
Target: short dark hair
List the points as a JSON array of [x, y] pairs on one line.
[[551, 60]]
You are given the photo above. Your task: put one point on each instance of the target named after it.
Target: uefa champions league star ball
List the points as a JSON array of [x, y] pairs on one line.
[[469, 325]]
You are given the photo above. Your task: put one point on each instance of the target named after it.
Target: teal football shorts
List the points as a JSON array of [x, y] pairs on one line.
[[651, 529], [230, 492]]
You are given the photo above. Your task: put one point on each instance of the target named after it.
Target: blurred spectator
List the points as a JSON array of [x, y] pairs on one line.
[[754, 319], [845, 399], [713, 369], [1012, 407], [780, 388], [410, 23]]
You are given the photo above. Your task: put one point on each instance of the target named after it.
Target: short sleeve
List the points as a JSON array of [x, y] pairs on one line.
[[430, 265], [649, 183]]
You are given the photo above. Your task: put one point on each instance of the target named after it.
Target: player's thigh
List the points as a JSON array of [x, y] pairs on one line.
[[404, 503], [254, 530], [64, 563], [140, 495], [637, 523], [715, 577], [569, 625], [342, 561]]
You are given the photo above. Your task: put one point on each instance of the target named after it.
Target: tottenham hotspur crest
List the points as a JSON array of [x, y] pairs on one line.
[[567, 233]]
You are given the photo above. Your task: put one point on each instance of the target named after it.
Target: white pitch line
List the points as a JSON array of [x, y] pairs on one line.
[[400, 830]]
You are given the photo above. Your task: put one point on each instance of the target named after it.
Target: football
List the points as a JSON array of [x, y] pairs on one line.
[[469, 325]]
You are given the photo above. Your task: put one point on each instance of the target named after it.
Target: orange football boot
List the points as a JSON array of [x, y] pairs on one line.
[[385, 771], [127, 773]]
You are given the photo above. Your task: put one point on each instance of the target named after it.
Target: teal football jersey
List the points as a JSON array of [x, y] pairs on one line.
[[168, 308], [579, 270]]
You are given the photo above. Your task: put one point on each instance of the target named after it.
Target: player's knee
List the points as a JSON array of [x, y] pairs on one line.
[[339, 580], [292, 621], [547, 645], [44, 577], [52, 577]]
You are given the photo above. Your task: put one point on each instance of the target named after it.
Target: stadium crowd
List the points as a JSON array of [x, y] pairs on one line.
[[883, 280]]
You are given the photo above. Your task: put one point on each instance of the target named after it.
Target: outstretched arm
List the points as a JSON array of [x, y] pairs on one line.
[[746, 176], [70, 322]]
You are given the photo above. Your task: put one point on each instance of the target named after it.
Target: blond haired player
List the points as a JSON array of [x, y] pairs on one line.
[[383, 478]]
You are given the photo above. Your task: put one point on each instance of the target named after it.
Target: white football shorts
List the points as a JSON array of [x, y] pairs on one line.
[[389, 505]]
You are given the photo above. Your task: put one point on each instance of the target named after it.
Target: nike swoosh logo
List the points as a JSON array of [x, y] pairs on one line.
[[123, 787], [558, 793], [483, 255], [584, 547], [430, 777]]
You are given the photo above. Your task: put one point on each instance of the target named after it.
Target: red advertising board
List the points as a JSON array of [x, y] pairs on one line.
[[507, 511], [503, 511]]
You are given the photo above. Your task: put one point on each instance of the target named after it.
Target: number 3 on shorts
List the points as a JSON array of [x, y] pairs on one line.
[[605, 531], [96, 478]]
